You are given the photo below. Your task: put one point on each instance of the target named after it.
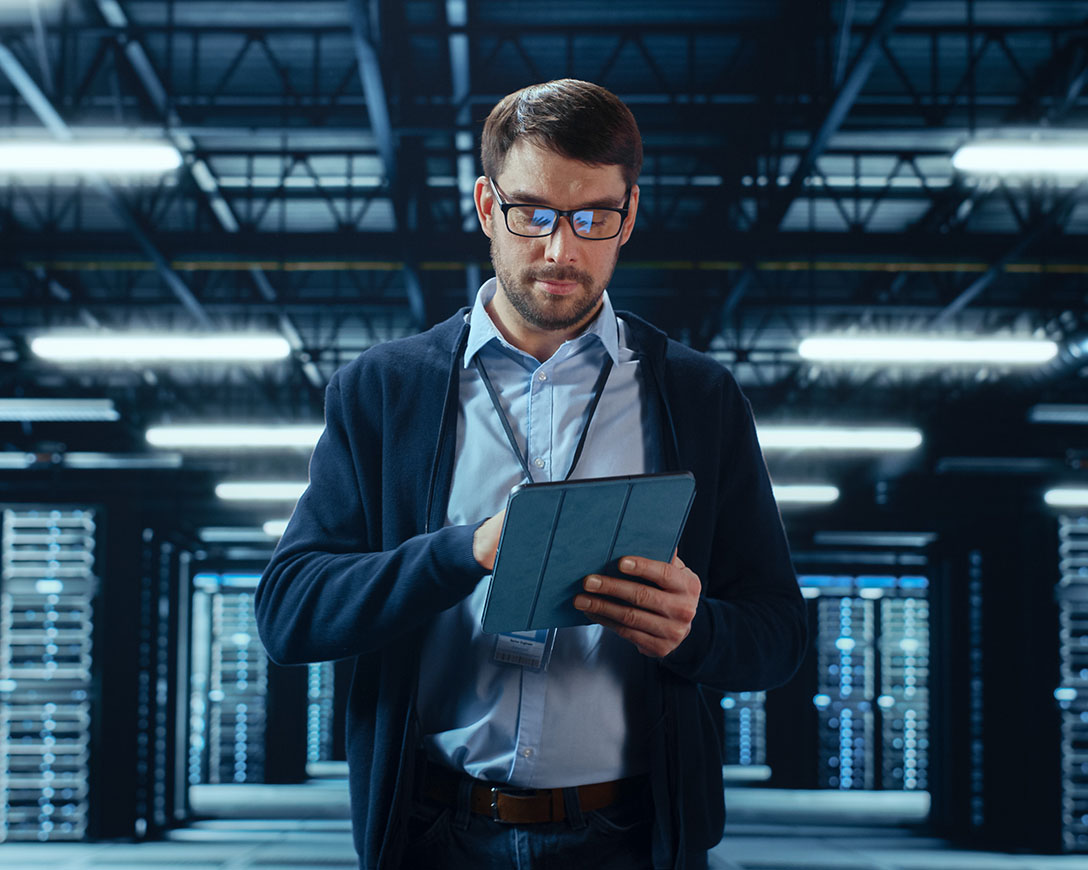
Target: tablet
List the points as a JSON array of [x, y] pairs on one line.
[[554, 534]]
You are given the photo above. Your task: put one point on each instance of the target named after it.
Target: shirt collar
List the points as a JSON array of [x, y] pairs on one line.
[[482, 328]]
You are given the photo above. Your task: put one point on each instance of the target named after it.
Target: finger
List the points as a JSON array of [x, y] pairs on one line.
[[485, 540], [653, 624], [657, 572], [647, 644], [639, 594]]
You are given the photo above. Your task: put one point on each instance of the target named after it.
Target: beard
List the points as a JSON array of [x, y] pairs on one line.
[[541, 310]]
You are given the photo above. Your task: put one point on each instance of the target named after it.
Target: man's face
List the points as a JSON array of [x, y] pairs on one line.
[[553, 283]]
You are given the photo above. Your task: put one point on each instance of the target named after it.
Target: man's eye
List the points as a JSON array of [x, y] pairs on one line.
[[542, 218], [585, 220]]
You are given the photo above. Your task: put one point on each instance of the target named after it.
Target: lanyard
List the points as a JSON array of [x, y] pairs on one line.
[[598, 391]]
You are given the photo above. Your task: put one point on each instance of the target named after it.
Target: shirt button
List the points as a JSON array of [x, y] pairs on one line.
[[527, 752], [539, 463], [542, 377]]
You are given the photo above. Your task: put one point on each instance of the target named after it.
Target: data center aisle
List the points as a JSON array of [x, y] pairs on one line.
[[263, 827]]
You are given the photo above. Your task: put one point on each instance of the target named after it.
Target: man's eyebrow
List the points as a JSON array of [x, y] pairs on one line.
[[523, 196]]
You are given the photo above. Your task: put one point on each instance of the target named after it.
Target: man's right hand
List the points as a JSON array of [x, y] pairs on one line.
[[485, 541]]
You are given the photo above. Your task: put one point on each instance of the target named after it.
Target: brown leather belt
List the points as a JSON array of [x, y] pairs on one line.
[[523, 806]]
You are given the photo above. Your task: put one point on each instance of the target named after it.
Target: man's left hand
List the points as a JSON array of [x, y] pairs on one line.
[[656, 618]]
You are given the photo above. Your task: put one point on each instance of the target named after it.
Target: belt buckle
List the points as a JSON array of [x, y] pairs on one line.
[[495, 792], [507, 790]]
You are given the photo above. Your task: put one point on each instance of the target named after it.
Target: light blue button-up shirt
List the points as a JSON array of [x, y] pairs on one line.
[[587, 717]]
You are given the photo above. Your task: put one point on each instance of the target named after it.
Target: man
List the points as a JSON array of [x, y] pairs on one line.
[[598, 749]]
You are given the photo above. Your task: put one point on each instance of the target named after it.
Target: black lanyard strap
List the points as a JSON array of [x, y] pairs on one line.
[[598, 391]]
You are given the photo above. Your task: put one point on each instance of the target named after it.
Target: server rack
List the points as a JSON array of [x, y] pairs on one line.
[[904, 678], [846, 688], [857, 714], [91, 654], [229, 683], [1072, 694], [162, 664], [248, 718], [998, 760], [746, 734], [872, 671], [47, 589], [320, 711]]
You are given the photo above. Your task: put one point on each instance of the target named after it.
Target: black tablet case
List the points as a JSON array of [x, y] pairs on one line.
[[554, 534]]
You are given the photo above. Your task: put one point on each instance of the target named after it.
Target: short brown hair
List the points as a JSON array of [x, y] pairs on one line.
[[577, 119]]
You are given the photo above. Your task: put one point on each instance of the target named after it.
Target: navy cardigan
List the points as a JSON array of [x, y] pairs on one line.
[[365, 563]]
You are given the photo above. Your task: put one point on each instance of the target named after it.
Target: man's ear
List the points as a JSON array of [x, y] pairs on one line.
[[485, 205], [632, 210]]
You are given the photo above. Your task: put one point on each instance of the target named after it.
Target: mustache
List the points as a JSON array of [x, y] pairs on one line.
[[558, 273]]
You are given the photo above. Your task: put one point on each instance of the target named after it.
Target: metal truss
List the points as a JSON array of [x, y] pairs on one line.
[[329, 169], [305, 78]]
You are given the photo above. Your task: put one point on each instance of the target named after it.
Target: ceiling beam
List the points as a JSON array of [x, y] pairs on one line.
[[363, 16], [840, 107], [1042, 228], [1069, 67], [201, 173], [43, 107]]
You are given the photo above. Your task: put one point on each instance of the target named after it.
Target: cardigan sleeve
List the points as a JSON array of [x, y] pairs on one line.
[[750, 630], [330, 591]]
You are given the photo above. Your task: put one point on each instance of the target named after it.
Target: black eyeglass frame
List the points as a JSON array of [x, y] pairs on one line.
[[568, 214]]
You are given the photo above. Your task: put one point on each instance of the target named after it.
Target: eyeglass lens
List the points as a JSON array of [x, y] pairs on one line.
[[592, 223]]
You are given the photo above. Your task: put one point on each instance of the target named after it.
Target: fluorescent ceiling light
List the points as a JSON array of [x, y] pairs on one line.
[[122, 460], [233, 534], [874, 539], [805, 494], [998, 465], [1022, 157], [87, 158], [46, 410], [93, 461], [837, 438], [275, 528], [927, 351], [217, 582], [12, 460], [247, 554], [148, 348], [1075, 414], [261, 490], [233, 437], [1067, 497]]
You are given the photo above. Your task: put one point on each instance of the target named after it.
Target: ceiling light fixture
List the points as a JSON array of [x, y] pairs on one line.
[[805, 494], [275, 528], [1069, 414], [838, 438], [216, 437], [152, 348], [50, 410], [1067, 496], [1013, 157], [261, 490], [87, 158], [232, 534], [106, 461], [927, 351]]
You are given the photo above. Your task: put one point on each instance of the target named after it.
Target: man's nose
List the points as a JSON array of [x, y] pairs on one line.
[[562, 245]]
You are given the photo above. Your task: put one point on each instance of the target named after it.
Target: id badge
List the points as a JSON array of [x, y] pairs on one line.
[[527, 649]]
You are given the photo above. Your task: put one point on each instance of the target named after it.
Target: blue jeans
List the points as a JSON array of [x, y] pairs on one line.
[[616, 837]]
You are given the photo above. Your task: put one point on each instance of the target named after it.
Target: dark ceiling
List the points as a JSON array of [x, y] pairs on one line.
[[797, 180]]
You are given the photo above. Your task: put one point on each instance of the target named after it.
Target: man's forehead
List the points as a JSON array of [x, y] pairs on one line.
[[541, 172]]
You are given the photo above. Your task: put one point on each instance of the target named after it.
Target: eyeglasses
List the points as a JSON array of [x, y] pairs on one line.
[[536, 221]]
